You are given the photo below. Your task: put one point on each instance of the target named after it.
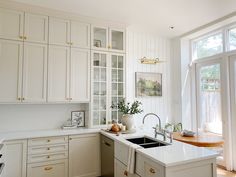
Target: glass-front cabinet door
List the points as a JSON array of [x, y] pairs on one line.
[[108, 83], [99, 88], [99, 38], [108, 39], [116, 40], [117, 83]]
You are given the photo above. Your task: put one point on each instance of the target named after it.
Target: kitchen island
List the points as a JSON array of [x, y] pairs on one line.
[[173, 160]]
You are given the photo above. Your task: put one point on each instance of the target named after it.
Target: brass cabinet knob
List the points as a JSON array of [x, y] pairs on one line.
[[48, 141], [23, 98], [125, 173], [152, 170], [71, 43], [25, 37], [48, 157], [19, 99], [70, 138], [68, 43], [109, 47], [21, 37], [48, 168], [48, 149]]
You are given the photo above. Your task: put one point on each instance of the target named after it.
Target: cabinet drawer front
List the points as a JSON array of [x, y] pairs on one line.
[[47, 149], [48, 141], [121, 152], [57, 168], [153, 169], [47, 157]]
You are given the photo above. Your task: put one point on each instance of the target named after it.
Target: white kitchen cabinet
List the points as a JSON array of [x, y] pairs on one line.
[[68, 74], [59, 31], [80, 34], [11, 24], [108, 83], [11, 56], [23, 77], [108, 39], [121, 170], [36, 28], [80, 74], [58, 74], [58, 168], [84, 155], [15, 159], [34, 72]]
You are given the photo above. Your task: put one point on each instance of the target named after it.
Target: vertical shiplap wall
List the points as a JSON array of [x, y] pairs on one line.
[[140, 44]]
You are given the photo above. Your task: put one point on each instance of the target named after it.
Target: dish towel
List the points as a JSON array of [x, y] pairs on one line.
[[131, 158]]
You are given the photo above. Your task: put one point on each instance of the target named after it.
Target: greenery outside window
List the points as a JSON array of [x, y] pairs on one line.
[[232, 39], [208, 46]]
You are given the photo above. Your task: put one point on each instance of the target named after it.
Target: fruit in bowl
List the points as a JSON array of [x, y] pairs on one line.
[[115, 128]]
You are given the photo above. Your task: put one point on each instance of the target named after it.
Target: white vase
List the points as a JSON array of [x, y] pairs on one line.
[[128, 121]]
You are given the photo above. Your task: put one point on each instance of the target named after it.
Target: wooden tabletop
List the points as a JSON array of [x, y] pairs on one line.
[[201, 140]]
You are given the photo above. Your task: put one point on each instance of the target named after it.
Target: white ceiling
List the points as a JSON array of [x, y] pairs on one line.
[[154, 15]]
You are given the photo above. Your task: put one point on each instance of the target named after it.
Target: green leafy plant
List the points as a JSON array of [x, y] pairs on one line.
[[128, 108]]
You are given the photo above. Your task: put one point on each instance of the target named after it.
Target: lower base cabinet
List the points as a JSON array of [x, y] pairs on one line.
[[48, 169], [84, 155], [15, 158], [121, 170]]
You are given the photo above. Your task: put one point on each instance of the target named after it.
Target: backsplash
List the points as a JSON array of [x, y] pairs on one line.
[[37, 117]]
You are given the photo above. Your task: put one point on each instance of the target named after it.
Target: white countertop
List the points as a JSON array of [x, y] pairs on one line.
[[171, 155], [6, 136], [175, 154]]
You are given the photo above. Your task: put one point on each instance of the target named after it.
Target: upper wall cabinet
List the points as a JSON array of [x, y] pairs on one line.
[[80, 34], [69, 33], [29, 27], [108, 39], [22, 74], [11, 24], [36, 28]]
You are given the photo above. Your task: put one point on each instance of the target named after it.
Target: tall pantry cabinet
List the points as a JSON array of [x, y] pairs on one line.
[[23, 56]]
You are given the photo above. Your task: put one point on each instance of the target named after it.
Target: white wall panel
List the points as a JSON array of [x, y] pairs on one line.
[[140, 44]]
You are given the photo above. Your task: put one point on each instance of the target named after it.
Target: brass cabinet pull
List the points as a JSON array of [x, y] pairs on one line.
[[23, 98], [152, 170], [25, 37], [48, 141], [48, 168], [21, 37], [71, 43], [125, 173], [70, 138], [48, 157], [109, 47], [19, 99], [48, 149]]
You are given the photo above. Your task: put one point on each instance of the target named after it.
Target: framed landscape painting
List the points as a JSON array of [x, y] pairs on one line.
[[148, 84]]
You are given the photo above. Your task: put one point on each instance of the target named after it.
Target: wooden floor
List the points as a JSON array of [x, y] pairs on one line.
[[224, 173]]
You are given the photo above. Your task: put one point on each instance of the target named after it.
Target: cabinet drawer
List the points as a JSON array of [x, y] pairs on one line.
[[47, 149], [152, 169], [47, 157], [57, 168], [48, 140], [121, 152]]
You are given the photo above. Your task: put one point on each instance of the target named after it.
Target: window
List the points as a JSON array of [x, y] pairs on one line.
[[232, 39], [208, 46]]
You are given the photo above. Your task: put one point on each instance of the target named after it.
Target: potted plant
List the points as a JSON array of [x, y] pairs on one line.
[[128, 111]]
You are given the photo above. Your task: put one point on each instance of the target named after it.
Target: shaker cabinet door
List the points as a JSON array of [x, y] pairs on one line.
[[58, 71], [36, 28], [11, 24], [10, 71], [80, 74], [34, 73]]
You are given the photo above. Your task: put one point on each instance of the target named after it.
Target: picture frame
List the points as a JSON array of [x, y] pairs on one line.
[[78, 117], [148, 84], [97, 43]]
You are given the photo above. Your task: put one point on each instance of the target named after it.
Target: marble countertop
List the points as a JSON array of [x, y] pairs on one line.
[[171, 155], [7, 136], [175, 154]]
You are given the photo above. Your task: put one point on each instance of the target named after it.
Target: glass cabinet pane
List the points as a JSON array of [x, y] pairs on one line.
[[114, 75], [120, 89], [114, 61], [120, 75], [117, 40], [120, 61], [100, 37], [103, 118]]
